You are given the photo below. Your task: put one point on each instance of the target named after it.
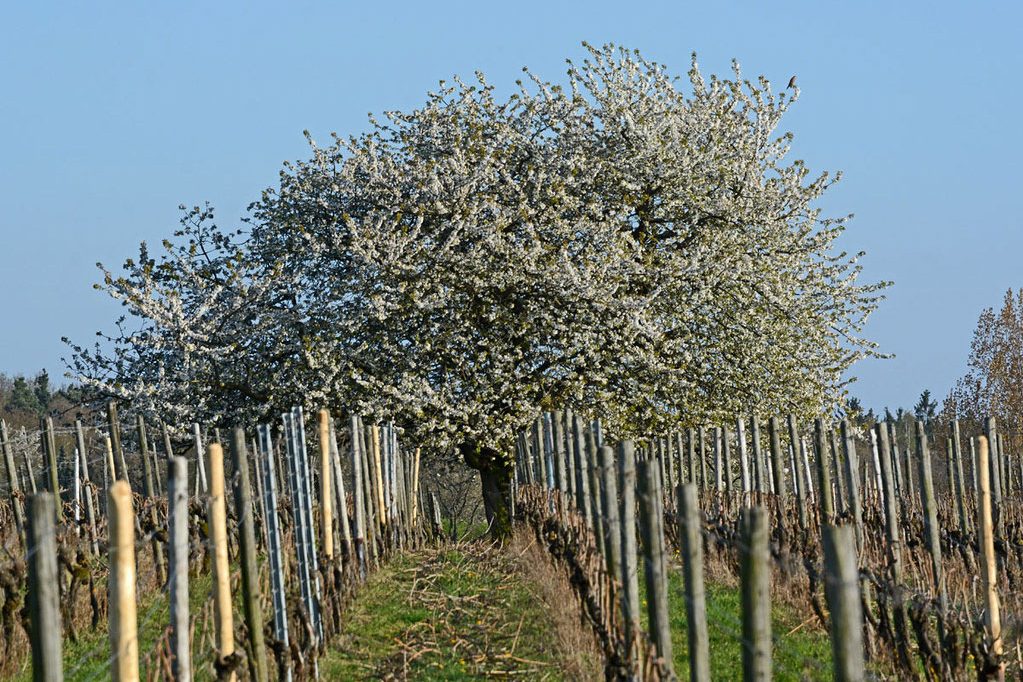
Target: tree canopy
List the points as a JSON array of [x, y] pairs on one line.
[[635, 249]]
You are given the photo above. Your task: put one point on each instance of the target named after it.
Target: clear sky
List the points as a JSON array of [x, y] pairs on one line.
[[111, 115]]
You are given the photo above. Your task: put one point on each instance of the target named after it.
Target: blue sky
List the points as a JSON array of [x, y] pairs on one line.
[[113, 115]]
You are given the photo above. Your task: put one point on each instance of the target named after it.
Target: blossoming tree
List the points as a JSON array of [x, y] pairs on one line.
[[640, 252]]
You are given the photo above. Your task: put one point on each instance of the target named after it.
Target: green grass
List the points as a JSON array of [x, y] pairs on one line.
[[797, 654], [89, 657], [453, 614]]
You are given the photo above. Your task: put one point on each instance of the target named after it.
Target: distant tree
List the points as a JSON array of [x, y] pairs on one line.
[[993, 383], [41, 389], [926, 408], [23, 397]]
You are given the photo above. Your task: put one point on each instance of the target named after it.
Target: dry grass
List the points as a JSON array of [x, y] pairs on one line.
[[576, 643]]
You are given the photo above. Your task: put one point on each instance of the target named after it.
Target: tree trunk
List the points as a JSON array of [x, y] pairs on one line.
[[495, 474]]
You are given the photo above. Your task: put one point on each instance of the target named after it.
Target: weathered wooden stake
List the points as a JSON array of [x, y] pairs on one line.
[[630, 575], [778, 473], [612, 526], [43, 590], [14, 488], [147, 482], [755, 571], [841, 588], [50, 449], [690, 531], [651, 524], [258, 668], [931, 530], [177, 550]]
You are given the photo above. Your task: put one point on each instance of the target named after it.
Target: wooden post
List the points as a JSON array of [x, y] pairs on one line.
[[838, 470], [50, 449], [759, 460], [994, 463], [931, 530], [690, 531], [560, 467], [630, 575], [852, 481], [217, 520], [797, 475], [341, 496], [726, 459], [778, 474], [14, 488], [147, 482], [569, 455], [959, 494], [718, 473], [755, 571], [258, 667], [703, 458], [894, 541], [29, 469], [593, 474], [986, 539], [691, 456], [612, 527], [124, 642], [358, 503], [651, 524], [744, 468], [841, 588], [90, 507], [200, 456], [177, 522], [582, 473], [823, 473], [43, 598]]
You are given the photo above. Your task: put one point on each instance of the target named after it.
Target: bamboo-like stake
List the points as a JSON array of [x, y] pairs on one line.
[[378, 473], [217, 515], [124, 643], [326, 493], [986, 539]]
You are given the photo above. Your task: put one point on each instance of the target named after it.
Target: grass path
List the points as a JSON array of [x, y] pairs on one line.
[[465, 612]]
